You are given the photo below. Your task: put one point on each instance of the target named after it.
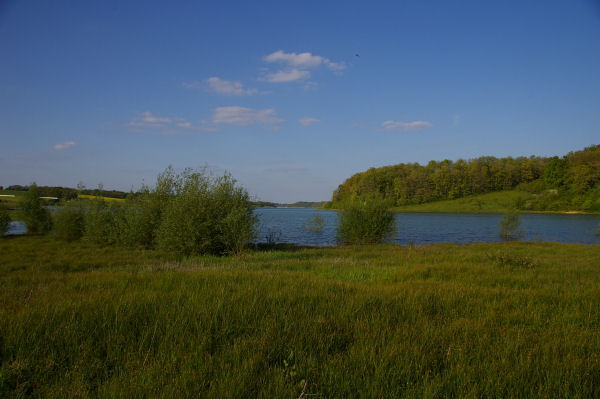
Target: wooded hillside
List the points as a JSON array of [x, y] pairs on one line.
[[570, 182]]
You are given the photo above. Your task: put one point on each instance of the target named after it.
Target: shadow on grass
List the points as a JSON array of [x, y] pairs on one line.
[[283, 247]]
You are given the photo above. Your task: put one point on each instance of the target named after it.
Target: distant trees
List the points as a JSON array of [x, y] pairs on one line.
[[573, 180]]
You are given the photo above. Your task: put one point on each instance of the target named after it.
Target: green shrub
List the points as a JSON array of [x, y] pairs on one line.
[[4, 220], [510, 226], [69, 222], [36, 217], [365, 222], [206, 215], [316, 223], [100, 223]]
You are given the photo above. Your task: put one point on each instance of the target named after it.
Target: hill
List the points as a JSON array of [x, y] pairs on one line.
[[568, 183]]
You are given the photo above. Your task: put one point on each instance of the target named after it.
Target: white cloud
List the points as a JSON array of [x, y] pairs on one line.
[[297, 66], [307, 121], [303, 60], [220, 86], [65, 145], [146, 122], [286, 76], [416, 125], [146, 119], [241, 116]]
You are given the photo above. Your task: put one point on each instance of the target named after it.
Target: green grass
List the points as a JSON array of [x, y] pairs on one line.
[[482, 320], [497, 202]]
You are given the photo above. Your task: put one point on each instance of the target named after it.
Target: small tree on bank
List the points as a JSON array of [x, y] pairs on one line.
[[69, 221], [206, 215], [510, 226], [4, 220], [36, 217], [365, 221]]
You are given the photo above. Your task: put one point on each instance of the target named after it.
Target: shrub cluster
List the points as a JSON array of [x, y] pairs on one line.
[[365, 221], [4, 220], [510, 226], [69, 221], [36, 217], [190, 213]]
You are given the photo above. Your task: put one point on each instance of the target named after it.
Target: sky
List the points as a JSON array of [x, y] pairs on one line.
[[290, 97]]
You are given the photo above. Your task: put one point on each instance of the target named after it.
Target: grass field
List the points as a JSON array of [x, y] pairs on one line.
[[483, 320], [498, 202]]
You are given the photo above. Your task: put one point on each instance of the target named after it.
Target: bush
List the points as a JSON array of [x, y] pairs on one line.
[[316, 224], [365, 222], [100, 223], [69, 222], [510, 226], [4, 220], [206, 215], [36, 218]]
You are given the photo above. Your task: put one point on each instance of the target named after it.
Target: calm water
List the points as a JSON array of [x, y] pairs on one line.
[[290, 226]]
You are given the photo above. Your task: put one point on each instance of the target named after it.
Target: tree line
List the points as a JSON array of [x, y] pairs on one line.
[[557, 183]]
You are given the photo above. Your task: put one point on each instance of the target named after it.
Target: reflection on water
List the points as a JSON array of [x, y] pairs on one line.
[[289, 225], [16, 228]]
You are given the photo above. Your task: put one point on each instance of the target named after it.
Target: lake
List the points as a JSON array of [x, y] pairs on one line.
[[289, 225]]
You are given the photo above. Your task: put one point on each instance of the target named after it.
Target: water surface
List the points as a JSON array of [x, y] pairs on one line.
[[289, 225]]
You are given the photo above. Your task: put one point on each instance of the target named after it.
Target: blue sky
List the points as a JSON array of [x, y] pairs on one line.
[[113, 92]]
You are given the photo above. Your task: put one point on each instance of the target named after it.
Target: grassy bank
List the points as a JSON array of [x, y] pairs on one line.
[[484, 320], [497, 202]]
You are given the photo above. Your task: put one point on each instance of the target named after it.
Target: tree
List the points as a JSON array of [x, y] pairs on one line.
[[510, 226], [365, 222], [36, 217]]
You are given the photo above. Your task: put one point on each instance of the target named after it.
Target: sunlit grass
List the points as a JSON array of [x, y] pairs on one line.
[[482, 320]]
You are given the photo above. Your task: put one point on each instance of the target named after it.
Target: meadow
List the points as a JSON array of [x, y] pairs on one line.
[[482, 320]]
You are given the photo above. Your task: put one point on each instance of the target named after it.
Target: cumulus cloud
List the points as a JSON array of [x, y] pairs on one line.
[[286, 76], [307, 121], [303, 60], [416, 125], [64, 146], [147, 122], [297, 66], [147, 119], [221, 86], [241, 116]]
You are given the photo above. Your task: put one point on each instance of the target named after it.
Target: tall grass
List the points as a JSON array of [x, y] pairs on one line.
[[367, 321]]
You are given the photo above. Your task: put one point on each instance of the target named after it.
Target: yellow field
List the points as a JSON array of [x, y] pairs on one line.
[[108, 199]]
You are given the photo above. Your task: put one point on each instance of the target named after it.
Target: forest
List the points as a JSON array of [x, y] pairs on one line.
[[555, 183]]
